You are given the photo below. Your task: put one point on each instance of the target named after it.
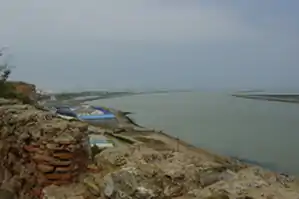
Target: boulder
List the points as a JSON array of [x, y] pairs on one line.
[[130, 182]]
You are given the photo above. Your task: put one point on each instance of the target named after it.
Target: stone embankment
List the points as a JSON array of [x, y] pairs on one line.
[[38, 149], [46, 157]]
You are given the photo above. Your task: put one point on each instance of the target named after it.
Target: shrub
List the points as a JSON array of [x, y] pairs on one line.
[[7, 89]]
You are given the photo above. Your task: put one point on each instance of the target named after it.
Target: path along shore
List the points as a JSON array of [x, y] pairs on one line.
[[143, 164]]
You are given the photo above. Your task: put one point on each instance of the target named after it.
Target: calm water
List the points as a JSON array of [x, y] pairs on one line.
[[267, 132]]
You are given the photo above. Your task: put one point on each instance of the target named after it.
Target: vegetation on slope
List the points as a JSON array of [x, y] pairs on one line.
[[8, 88]]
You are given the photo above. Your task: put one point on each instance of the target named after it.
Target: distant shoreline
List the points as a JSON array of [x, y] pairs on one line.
[[294, 98], [87, 96]]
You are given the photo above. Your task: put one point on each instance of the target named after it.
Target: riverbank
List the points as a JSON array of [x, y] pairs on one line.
[[143, 163], [84, 96], [131, 135]]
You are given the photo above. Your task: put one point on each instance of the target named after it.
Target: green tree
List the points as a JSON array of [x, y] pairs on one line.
[[4, 68]]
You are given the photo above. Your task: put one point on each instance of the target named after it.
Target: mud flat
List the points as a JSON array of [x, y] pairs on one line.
[[143, 165]]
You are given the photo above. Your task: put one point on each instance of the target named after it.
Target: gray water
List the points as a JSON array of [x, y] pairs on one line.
[[262, 131]]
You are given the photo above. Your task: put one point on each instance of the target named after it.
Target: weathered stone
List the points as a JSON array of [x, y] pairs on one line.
[[50, 160], [112, 157], [24, 136], [6, 194], [45, 168], [53, 146], [75, 197], [58, 176], [93, 168], [92, 186], [27, 137], [63, 192], [30, 148], [218, 196], [70, 168], [64, 139], [42, 158], [207, 179], [63, 155], [55, 182], [129, 182]]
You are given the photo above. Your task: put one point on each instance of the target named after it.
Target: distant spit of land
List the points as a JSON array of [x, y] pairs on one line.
[[279, 97], [81, 97]]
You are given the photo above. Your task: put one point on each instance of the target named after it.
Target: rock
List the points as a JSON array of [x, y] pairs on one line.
[[24, 136], [30, 148], [53, 146], [70, 168], [92, 185], [64, 139], [75, 191], [129, 183], [58, 176], [45, 168], [112, 157], [63, 155], [50, 160], [218, 196], [210, 178], [6, 194], [174, 190], [27, 137], [75, 197]]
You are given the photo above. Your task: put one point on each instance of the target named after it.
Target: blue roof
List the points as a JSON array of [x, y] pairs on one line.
[[101, 109], [71, 111], [66, 112], [96, 117]]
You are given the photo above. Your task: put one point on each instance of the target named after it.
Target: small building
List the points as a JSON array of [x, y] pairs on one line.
[[85, 113], [100, 141]]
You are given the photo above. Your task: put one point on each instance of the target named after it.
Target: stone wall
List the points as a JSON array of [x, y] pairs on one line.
[[38, 149]]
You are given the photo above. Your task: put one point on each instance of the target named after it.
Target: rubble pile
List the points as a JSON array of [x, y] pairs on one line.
[[38, 149], [139, 172]]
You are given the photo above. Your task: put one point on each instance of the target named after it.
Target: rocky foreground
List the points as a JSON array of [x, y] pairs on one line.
[[43, 156]]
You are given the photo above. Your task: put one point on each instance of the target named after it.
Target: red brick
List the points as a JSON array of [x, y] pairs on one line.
[[50, 160], [45, 168], [70, 168], [56, 182], [30, 148], [58, 176], [63, 155], [42, 158]]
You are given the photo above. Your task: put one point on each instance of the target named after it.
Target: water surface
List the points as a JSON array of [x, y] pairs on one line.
[[263, 131]]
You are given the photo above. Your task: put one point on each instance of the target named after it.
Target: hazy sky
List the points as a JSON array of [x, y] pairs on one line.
[[69, 44]]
